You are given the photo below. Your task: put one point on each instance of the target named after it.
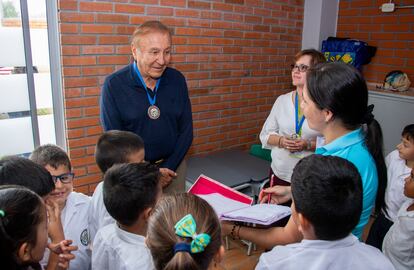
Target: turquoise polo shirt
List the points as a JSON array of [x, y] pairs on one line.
[[352, 148]]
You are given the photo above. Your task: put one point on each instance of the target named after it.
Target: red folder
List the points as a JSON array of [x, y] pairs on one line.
[[205, 185]]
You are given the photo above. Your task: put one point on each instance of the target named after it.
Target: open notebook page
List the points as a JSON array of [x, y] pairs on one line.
[[222, 204], [264, 214]]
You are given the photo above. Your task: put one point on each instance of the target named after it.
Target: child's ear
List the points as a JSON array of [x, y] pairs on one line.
[[304, 226], [23, 252], [302, 222], [147, 213], [219, 255]]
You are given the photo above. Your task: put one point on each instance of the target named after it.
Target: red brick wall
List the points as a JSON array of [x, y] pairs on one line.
[[392, 33], [234, 53]]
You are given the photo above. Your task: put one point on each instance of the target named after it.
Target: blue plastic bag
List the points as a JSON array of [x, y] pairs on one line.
[[350, 51]]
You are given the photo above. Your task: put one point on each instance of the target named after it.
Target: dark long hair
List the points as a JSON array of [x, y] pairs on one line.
[[22, 213], [341, 89]]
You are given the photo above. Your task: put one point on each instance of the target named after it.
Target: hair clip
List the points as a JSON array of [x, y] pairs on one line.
[[186, 227], [2, 213]]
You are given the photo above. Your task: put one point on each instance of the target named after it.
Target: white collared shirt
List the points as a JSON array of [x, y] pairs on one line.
[[74, 217], [344, 254], [281, 121], [98, 215], [397, 171], [117, 249], [398, 243]]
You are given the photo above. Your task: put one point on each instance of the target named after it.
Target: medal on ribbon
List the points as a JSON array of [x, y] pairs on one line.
[[153, 111]]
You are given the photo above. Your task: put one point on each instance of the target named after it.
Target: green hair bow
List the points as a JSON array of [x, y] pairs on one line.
[[186, 227]]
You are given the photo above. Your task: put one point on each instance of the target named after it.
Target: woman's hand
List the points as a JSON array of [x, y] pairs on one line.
[[226, 227], [293, 145], [288, 144], [278, 194]]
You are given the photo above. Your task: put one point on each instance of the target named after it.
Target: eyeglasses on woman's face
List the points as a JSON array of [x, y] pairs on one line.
[[300, 68]]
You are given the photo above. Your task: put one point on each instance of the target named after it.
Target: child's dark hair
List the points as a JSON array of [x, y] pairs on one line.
[[341, 89], [115, 146], [24, 172], [129, 189], [52, 155], [327, 190], [21, 214], [408, 132], [161, 237]]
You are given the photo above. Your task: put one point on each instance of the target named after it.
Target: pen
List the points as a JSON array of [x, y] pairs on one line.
[[271, 185]]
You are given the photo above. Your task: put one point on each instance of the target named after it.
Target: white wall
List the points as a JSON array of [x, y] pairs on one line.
[[319, 23], [393, 112]]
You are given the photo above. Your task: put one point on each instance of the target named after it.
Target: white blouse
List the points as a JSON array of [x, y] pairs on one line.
[[281, 121]]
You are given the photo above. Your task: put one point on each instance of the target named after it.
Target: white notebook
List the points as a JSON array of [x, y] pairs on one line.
[[228, 209]]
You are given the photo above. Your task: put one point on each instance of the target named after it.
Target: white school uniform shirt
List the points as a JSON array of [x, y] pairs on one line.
[[281, 121], [397, 171], [117, 249], [344, 254], [74, 217], [98, 215], [398, 243]]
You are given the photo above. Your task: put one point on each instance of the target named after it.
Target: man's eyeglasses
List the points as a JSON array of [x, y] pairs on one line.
[[65, 178], [300, 68]]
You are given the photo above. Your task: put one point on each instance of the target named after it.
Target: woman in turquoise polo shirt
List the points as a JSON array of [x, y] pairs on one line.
[[335, 103]]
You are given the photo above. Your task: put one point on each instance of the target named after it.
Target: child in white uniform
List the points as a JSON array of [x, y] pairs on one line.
[[23, 229], [73, 206], [130, 191], [327, 205], [399, 164], [24, 172], [113, 147], [398, 243]]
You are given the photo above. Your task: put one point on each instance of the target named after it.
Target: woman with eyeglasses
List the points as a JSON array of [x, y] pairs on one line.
[[286, 132], [335, 102]]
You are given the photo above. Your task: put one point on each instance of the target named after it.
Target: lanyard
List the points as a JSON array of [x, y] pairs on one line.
[[150, 99], [298, 123]]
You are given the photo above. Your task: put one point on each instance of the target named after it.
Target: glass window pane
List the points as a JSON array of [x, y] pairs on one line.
[[43, 90], [16, 136], [41, 63], [16, 126], [13, 93], [47, 129], [11, 35]]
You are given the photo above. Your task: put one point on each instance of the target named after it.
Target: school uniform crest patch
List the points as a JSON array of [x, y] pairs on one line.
[[84, 237]]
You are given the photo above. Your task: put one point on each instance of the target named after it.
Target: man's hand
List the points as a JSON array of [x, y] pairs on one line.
[[278, 194], [167, 176]]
